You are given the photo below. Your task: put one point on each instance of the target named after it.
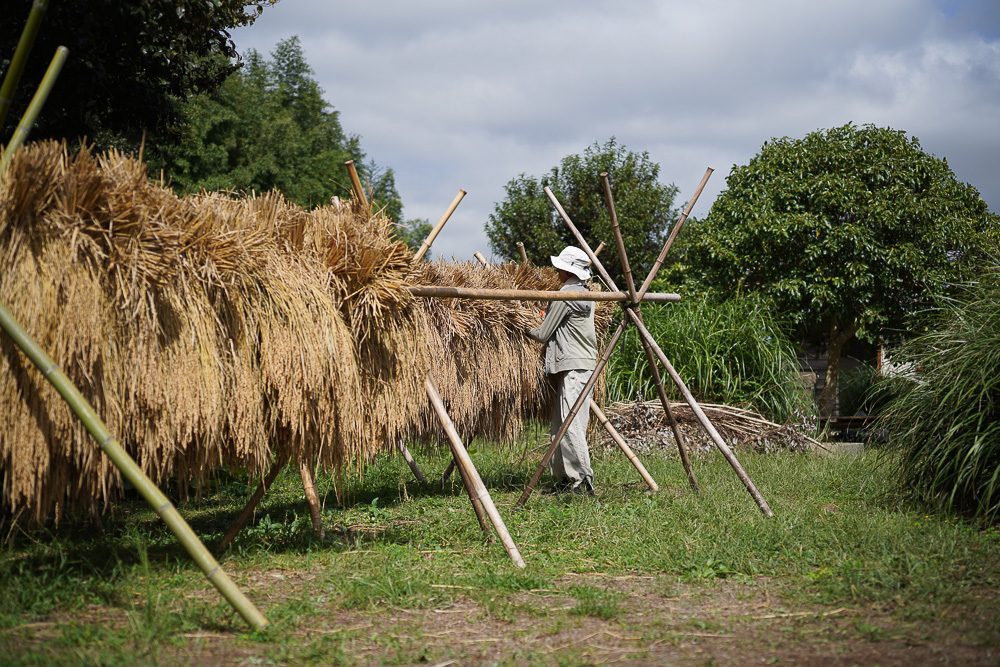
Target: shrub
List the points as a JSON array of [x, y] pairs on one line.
[[945, 416]]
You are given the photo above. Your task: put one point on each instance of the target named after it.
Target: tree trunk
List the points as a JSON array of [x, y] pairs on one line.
[[840, 334]]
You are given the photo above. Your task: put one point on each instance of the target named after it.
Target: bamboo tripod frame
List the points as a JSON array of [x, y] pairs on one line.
[[631, 314]]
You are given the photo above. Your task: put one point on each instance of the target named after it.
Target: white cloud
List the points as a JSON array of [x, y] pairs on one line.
[[453, 94]]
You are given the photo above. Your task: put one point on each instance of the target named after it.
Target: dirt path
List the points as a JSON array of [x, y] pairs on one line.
[[624, 621]]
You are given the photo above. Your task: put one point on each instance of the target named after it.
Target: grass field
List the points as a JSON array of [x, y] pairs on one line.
[[842, 574]]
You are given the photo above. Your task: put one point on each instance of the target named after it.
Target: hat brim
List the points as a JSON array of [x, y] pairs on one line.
[[582, 274]]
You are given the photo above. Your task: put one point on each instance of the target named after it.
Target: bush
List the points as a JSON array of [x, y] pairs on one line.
[[945, 416], [734, 352]]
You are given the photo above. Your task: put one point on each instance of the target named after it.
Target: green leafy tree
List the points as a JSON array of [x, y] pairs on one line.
[[849, 231], [129, 62], [268, 127], [644, 206]]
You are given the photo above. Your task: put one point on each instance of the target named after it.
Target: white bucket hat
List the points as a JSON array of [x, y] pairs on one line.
[[573, 260]]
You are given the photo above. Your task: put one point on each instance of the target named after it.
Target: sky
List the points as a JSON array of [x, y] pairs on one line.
[[467, 95]]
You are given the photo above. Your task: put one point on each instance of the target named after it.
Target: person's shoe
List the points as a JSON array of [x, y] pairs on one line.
[[559, 486]]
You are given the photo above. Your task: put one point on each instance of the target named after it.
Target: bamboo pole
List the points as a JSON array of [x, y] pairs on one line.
[[534, 295], [426, 245], [21, 53], [312, 497], [620, 441], [524, 255], [477, 503], [410, 462], [359, 191], [131, 471], [34, 107], [247, 511], [651, 360], [482, 260], [688, 396], [600, 247], [673, 232], [464, 462]]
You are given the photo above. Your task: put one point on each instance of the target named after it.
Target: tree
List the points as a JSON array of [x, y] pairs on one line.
[[129, 63], [268, 127], [849, 231], [644, 208]]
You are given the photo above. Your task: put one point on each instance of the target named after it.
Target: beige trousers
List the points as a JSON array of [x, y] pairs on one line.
[[571, 460]]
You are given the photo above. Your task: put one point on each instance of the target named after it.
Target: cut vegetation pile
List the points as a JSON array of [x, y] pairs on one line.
[[646, 427], [208, 331]]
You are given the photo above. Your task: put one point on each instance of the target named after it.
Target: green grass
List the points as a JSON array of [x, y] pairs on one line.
[[839, 537]]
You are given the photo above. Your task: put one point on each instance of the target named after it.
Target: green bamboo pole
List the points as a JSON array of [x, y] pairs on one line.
[[131, 471], [24, 45], [37, 102]]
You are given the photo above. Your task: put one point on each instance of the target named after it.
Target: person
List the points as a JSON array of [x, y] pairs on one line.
[[567, 329]]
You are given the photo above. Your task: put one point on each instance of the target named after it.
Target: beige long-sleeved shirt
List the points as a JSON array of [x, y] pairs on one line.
[[568, 330]]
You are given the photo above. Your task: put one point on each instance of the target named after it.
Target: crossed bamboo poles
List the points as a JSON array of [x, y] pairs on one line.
[[650, 346]]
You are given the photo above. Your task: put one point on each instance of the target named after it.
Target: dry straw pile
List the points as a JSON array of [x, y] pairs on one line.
[[208, 330]]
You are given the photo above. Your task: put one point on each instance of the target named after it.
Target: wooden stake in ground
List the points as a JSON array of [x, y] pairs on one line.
[[248, 510], [312, 497], [409, 461], [620, 441], [465, 464]]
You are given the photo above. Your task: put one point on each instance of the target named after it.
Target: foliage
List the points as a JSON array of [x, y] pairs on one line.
[[945, 416], [734, 352], [848, 231], [643, 205], [129, 62], [266, 128]]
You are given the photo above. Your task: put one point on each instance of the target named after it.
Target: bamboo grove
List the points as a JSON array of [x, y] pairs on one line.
[[213, 330]]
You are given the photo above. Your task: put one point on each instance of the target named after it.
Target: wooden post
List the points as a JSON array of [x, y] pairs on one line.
[[524, 255], [482, 259], [410, 462], [426, 245], [688, 397], [359, 192], [651, 360], [248, 510], [312, 497], [620, 441], [465, 463], [477, 503]]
